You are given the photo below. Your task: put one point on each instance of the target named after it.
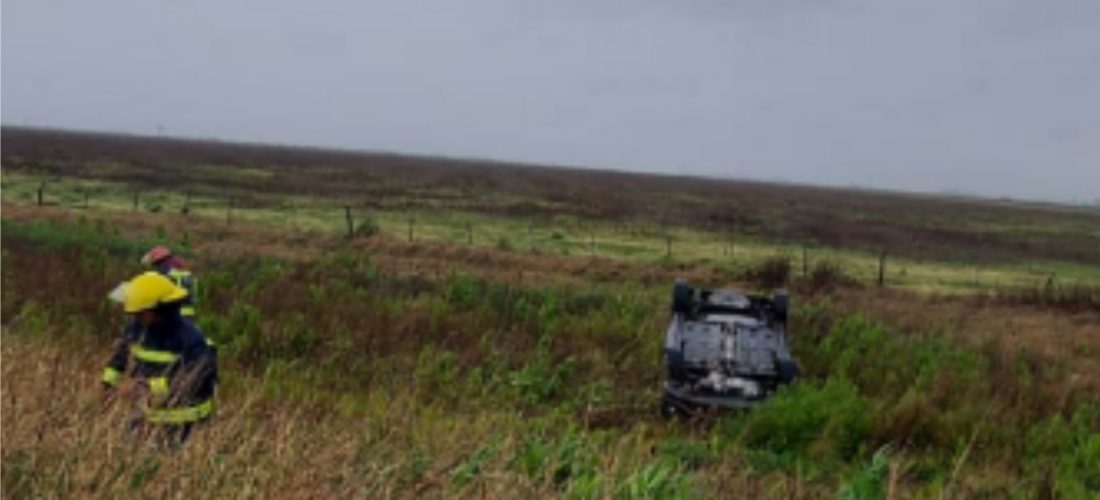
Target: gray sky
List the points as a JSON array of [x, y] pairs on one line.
[[995, 97]]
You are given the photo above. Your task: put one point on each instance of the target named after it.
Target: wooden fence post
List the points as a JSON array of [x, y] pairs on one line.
[[668, 246], [882, 268], [41, 188], [351, 224], [135, 207], [469, 233], [412, 223], [187, 204]]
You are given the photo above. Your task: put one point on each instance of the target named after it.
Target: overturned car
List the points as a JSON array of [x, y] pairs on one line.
[[724, 349]]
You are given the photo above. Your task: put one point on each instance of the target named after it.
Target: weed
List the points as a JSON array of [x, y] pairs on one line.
[[1067, 450], [869, 483], [825, 421], [367, 227], [658, 480], [685, 453], [773, 272], [472, 467], [541, 378]]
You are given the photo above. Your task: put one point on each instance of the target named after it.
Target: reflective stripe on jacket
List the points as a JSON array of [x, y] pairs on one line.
[[177, 363]]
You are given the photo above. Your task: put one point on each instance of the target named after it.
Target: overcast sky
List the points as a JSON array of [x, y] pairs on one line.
[[994, 97]]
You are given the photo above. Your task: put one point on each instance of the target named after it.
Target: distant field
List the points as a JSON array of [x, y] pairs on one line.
[[932, 244], [494, 330], [915, 226]]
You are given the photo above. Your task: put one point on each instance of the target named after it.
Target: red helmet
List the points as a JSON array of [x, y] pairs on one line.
[[155, 254]]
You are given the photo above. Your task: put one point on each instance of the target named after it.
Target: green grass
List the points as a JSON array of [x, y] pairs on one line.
[[471, 383]]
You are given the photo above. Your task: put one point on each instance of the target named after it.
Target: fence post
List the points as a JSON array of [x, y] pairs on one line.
[[882, 268], [668, 245], [469, 233], [85, 199], [412, 222], [135, 207], [351, 225], [805, 264], [592, 242], [187, 204]]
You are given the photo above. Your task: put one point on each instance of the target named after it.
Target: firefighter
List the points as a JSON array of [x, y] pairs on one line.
[[174, 366], [160, 259]]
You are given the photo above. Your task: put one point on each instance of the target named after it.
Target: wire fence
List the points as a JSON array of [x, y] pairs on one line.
[[360, 220]]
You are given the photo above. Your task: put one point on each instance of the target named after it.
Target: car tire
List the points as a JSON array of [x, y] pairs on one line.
[[788, 370], [681, 298]]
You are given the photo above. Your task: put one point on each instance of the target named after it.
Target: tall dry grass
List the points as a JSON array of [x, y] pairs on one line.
[[61, 439]]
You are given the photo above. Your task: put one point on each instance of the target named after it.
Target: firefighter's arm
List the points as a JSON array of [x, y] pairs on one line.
[[116, 366], [112, 373]]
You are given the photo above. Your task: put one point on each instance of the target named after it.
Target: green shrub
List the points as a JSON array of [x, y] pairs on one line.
[[540, 379], [464, 291], [1069, 450], [829, 420], [242, 329], [367, 227], [883, 363], [295, 338], [575, 463], [51, 236], [869, 483], [532, 457]]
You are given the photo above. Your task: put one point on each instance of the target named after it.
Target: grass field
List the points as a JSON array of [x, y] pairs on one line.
[[511, 346]]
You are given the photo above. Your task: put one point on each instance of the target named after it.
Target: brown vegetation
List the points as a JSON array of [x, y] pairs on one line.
[[908, 225]]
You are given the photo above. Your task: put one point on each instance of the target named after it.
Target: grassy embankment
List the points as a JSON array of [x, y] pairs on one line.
[[348, 372]]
